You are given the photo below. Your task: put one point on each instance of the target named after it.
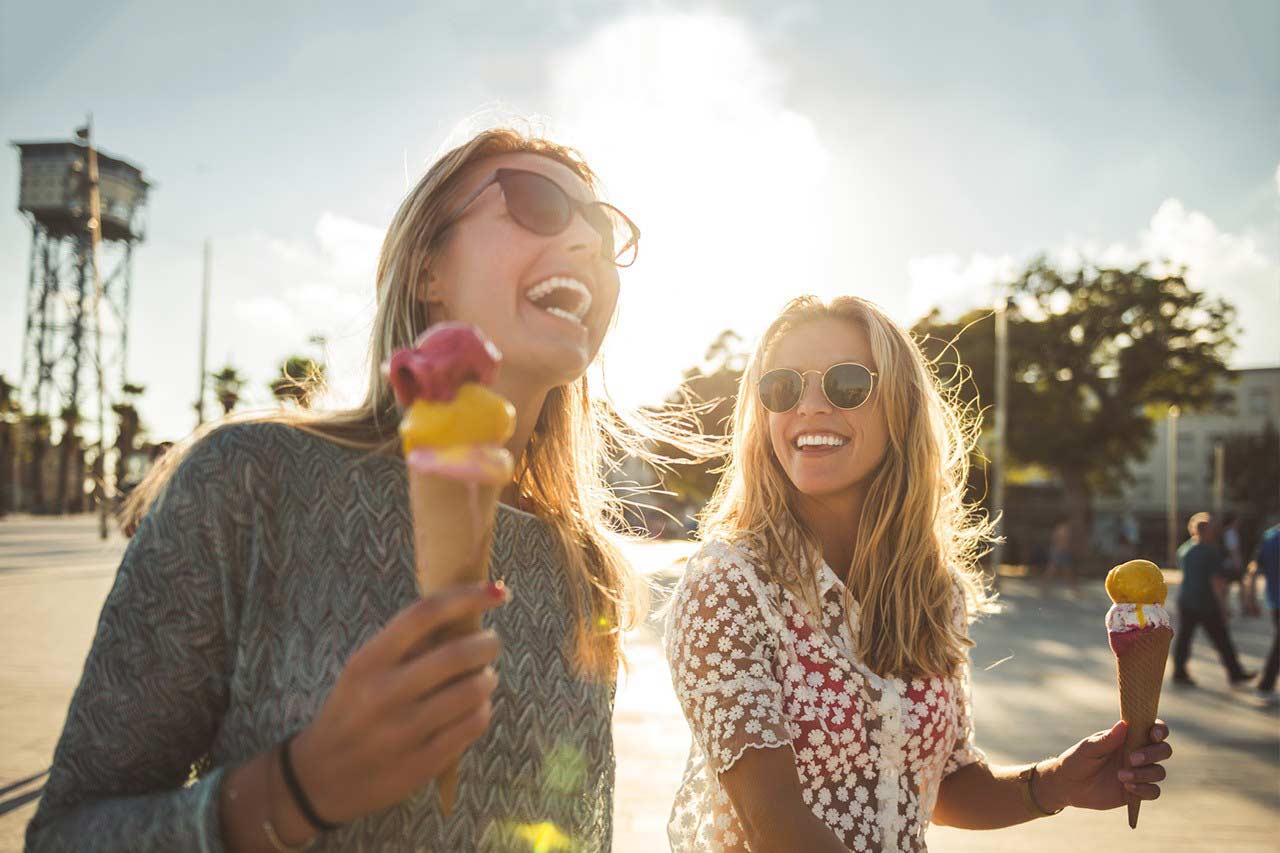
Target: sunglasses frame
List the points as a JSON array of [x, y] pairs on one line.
[[822, 384], [575, 206]]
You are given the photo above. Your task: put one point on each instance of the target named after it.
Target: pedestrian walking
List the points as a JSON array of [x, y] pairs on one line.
[[1200, 601], [818, 640], [1063, 547], [1266, 564]]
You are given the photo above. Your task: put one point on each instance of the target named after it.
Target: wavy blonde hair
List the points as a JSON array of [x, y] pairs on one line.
[[561, 476], [917, 537]]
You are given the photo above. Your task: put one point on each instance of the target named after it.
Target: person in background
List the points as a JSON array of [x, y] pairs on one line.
[[1234, 562], [1062, 553], [1200, 597], [1266, 563]]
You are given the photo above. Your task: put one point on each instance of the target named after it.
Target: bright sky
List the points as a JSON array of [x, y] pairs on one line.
[[765, 149]]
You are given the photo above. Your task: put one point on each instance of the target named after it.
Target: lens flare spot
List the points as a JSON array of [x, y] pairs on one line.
[[544, 837], [564, 769]]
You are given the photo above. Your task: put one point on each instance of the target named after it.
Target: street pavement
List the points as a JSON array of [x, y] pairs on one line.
[[1043, 678]]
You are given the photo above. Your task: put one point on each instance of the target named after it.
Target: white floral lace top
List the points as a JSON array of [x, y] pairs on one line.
[[753, 669]]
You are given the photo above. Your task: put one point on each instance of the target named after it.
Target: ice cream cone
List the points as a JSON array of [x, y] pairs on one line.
[[1140, 664], [1138, 632], [452, 533], [453, 431]]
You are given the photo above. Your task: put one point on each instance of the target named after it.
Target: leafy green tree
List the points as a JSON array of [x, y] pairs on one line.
[[227, 385], [712, 387], [299, 380], [1092, 352]]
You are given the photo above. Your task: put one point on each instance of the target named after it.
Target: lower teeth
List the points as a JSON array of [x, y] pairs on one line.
[[562, 314]]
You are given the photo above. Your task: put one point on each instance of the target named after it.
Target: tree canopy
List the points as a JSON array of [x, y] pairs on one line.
[[1093, 354]]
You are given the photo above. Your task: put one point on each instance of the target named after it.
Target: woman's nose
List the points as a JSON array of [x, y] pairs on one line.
[[812, 400], [581, 237]]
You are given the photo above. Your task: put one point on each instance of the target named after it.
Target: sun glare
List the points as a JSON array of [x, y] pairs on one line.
[[686, 119]]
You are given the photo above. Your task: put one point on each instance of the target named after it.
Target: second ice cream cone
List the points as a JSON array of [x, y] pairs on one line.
[[1140, 671]]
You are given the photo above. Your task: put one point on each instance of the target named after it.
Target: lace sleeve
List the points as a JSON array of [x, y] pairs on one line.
[[721, 651], [964, 750], [154, 686]]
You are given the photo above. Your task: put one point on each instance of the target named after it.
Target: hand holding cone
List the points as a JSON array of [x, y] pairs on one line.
[[452, 432], [1139, 633]]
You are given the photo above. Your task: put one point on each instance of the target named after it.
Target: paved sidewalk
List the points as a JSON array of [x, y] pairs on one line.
[[1057, 686]]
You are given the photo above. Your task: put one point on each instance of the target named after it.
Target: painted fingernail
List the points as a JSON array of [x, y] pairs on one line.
[[1137, 758], [1126, 776], [497, 590]]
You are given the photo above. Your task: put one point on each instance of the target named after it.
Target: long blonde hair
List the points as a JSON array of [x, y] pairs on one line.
[[917, 537], [560, 478]]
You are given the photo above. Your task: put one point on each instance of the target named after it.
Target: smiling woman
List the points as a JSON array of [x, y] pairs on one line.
[[818, 640], [265, 633]]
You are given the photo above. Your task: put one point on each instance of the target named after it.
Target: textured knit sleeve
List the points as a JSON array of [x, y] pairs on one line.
[[964, 750], [721, 649], [126, 772]]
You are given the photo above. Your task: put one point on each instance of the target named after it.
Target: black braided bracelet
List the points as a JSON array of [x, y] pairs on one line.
[[291, 782]]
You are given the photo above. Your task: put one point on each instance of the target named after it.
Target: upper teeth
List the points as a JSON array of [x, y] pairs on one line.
[[544, 288], [812, 440]]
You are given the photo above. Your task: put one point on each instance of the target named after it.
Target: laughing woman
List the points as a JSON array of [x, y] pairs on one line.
[[818, 639], [258, 679]]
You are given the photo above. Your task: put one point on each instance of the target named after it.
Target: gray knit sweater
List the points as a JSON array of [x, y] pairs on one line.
[[271, 556]]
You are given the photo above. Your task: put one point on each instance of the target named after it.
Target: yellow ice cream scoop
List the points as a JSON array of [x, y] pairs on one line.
[[1137, 582], [476, 415]]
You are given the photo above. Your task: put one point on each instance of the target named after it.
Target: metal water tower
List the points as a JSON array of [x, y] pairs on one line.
[[86, 214]]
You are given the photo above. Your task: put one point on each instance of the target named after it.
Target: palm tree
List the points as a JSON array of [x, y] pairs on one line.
[[8, 449], [130, 427], [299, 380], [227, 385]]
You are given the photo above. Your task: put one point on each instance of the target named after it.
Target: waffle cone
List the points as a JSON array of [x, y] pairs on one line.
[[452, 533], [1140, 671]]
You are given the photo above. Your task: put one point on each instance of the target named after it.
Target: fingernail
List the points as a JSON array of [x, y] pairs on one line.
[[1126, 776], [1137, 758], [497, 590], [1130, 787]]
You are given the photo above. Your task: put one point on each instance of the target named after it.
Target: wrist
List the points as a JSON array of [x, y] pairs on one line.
[[1048, 788], [286, 821]]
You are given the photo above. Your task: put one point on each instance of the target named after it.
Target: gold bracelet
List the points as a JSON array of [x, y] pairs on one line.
[[269, 827], [1025, 778]]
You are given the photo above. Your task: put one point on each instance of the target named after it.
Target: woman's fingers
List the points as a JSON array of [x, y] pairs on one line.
[[1143, 775], [443, 664], [447, 744], [446, 706], [1159, 732], [412, 626], [1152, 754], [1143, 792]]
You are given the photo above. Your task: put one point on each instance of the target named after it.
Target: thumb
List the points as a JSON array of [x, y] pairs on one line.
[[1102, 744]]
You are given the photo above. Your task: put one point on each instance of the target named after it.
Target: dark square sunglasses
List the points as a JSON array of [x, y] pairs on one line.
[[540, 205], [846, 385]]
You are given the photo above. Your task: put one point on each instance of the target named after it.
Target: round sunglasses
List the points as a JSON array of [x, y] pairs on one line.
[[847, 385], [540, 205]]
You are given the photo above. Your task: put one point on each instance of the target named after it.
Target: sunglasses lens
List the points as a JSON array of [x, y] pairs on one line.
[[535, 202], [847, 385], [780, 390]]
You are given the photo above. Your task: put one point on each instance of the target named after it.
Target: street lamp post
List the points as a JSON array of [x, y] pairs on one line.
[[1002, 426], [1171, 501]]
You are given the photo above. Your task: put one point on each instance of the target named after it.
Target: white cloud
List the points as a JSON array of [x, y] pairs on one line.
[[686, 118], [954, 284], [286, 292], [1233, 266]]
